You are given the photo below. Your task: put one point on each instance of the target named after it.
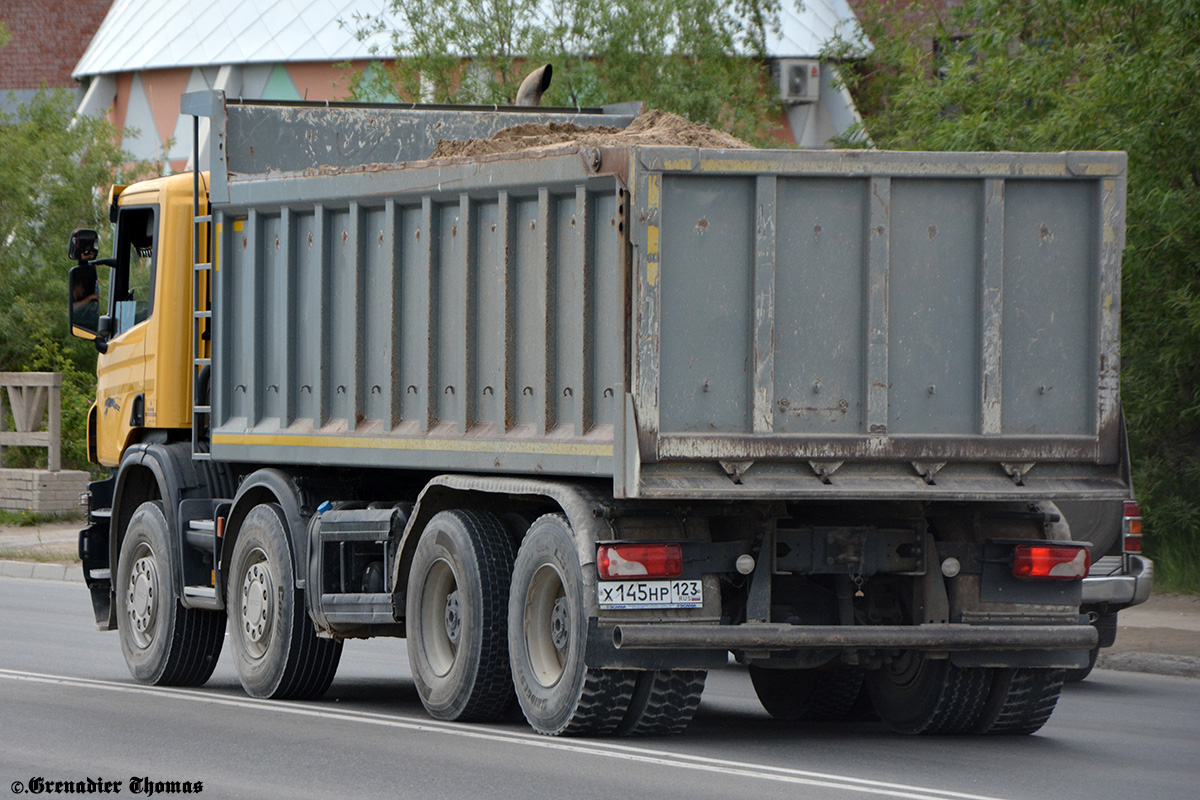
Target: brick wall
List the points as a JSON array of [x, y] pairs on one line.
[[48, 39], [41, 492]]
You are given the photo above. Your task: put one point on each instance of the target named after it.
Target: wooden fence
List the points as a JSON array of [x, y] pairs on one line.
[[29, 394]]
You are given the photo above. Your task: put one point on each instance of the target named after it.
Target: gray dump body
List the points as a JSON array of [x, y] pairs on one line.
[[688, 323]]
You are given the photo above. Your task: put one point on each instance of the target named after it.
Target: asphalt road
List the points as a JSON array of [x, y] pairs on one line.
[[69, 711]]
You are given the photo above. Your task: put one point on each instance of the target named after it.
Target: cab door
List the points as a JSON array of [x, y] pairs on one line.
[[121, 392]]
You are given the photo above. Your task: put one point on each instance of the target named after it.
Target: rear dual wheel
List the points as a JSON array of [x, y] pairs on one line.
[[813, 695], [918, 694], [457, 625], [547, 635], [1021, 701], [483, 623]]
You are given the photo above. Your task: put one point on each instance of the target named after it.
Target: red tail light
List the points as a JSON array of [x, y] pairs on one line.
[[1054, 562], [639, 561], [1131, 528]]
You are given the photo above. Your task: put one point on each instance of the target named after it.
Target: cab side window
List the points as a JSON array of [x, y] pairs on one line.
[[133, 281]]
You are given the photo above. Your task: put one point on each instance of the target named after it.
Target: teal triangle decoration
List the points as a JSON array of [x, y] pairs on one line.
[[280, 86]]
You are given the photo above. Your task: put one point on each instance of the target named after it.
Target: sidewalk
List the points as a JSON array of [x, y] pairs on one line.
[[56, 546], [1161, 636]]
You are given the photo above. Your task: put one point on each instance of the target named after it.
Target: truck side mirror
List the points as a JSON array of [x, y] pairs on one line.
[[83, 302], [82, 246]]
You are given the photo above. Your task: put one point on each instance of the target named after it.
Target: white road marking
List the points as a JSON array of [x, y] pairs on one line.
[[585, 747]]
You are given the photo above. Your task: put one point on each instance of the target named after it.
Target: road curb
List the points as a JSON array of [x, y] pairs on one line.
[[41, 571], [1152, 663]]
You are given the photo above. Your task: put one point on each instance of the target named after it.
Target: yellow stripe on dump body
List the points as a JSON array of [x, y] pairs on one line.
[[387, 443]]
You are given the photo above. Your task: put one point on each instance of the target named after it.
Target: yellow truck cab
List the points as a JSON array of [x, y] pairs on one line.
[[143, 376]]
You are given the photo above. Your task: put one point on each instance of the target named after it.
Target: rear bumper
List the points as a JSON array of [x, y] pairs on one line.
[[769, 636], [1110, 584]]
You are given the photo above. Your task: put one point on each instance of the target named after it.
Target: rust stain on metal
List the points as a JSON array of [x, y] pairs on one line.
[[702, 225], [817, 229], [1045, 234], [933, 232]]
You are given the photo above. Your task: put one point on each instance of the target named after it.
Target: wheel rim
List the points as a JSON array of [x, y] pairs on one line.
[[547, 625], [257, 604], [441, 617], [907, 671], [142, 596]]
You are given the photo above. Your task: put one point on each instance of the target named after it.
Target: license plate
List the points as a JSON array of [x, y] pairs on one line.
[[650, 594]]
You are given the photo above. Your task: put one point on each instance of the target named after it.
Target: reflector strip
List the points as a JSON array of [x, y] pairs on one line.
[[1131, 525], [639, 561], [1055, 562]]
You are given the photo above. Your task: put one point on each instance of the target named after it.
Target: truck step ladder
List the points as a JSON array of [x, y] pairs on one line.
[[202, 248]]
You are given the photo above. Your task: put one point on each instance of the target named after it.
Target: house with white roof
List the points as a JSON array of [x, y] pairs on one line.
[[147, 53]]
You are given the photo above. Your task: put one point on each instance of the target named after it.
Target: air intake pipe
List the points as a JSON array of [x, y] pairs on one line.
[[535, 83]]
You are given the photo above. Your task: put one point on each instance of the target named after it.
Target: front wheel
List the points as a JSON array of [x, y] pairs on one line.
[[276, 652], [164, 644], [547, 633]]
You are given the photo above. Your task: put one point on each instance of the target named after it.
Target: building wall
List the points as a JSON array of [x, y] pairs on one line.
[[48, 39], [145, 104]]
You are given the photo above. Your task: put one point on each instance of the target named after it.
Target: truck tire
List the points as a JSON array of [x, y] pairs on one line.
[[663, 703], [1021, 700], [547, 632], [456, 616], [916, 694], [276, 650], [164, 644], [815, 695]]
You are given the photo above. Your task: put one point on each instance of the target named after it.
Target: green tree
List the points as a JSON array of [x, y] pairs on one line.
[[51, 168], [1049, 75], [703, 59]]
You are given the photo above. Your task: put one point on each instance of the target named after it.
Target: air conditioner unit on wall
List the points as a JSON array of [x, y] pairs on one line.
[[798, 79]]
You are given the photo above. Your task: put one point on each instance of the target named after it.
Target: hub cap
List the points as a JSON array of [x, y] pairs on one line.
[[547, 625], [258, 606], [453, 619], [441, 617], [142, 596], [559, 631]]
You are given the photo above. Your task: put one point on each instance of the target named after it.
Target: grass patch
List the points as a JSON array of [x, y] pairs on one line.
[[29, 519], [40, 555]]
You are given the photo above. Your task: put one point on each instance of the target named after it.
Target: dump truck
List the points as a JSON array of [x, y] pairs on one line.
[[583, 422]]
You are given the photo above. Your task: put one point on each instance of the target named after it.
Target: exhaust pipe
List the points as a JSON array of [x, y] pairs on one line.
[[534, 85]]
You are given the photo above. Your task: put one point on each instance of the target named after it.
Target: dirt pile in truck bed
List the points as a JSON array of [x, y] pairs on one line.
[[652, 128]]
